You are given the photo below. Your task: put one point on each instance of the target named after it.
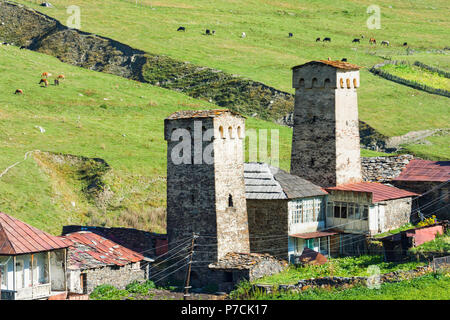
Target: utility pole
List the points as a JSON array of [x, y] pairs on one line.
[[188, 273]]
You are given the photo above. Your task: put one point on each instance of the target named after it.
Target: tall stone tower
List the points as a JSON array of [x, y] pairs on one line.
[[205, 182], [325, 142]]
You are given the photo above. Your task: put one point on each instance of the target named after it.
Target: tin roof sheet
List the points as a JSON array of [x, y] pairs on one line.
[[425, 170]]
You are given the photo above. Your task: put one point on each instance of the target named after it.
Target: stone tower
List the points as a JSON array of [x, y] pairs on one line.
[[205, 182], [325, 142]]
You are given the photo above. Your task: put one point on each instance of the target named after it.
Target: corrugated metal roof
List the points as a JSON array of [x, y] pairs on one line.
[[17, 237], [186, 114], [89, 250], [335, 63], [266, 182], [380, 192], [425, 170]]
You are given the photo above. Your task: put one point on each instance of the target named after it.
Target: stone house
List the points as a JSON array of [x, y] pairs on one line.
[[278, 204], [430, 179], [94, 260], [32, 262]]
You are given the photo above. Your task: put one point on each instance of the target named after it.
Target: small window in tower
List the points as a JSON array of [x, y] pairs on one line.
[[327, 83], [355, 83], [314, 82], [348, 83], [230, 201], [230, 132], [342, 82], [221, 132], [239, 132], [302, 83]]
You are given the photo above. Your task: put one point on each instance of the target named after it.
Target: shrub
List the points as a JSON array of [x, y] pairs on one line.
[[107, 292], [141, 288]]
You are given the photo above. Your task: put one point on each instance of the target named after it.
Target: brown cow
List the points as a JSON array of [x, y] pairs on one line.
[[45, 74], [19, 91], [44, 81], [372, 41], [61, 77]]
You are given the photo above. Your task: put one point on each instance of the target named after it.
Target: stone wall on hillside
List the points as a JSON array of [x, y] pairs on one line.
[[383, 169]]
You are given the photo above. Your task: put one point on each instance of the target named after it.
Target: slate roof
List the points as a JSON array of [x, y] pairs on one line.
[[425, 170], [244, 261], [89, 250], [269, 183], [17, 237], [335, 63], [380, 192], [187, 114]]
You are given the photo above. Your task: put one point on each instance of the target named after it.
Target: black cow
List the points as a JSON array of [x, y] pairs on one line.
[[356, 40], [405, 44], [290, 35], [208, 32], [318, 39], [181, 29], [344, 59], [326, 39]]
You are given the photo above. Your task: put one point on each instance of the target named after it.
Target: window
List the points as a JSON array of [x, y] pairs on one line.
[[228, 276], [341, 81], [351, 211], [239, 132], [365, 213], [314, 82], [221, 132], [355, 83], [302, 82], [230, 132], [344, 210], [20, 274], [323, 247], [348, 83], [327, 83], [358, 209], [3, 274], [337, 210], [230, 201]]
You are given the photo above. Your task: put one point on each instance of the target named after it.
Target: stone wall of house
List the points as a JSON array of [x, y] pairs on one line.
[[119, 277], [433, 202], [267, 221], [397, 213], [384, 169]]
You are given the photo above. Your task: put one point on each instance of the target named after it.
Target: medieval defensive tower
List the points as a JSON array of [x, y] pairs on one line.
[[325, 142], [205, 182]]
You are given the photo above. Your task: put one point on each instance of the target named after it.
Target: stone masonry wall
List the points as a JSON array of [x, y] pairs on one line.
[[397, 213], [383, 169], [118, 277], [267, 220]]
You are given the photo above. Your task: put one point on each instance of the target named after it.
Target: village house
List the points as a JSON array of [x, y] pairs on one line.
[[94, 260], [285, 212], [32, 262], [430, 179]]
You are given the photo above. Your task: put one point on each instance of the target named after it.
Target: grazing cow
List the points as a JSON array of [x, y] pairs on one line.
[[362, 36], [214, 32], [56, 82], [243, 35], [356, 40], [326, 39], [385, 43], [290, 35], [208, 32], [22, 47], [317, 39], [372, 41], [344, 59], [46, 74], [44, 81], [181, 29], [61, 77], [19, 91], [405, 44], [329, 59]]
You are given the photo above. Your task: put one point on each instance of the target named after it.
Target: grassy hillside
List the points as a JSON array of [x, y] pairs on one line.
[[93, 115], [267, 54]]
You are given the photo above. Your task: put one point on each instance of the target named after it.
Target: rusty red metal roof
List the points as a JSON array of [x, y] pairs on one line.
[[312, 235], [212, 113], [334, 63], [90, 250], [17, 237], [425, 170], [380, 192]]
